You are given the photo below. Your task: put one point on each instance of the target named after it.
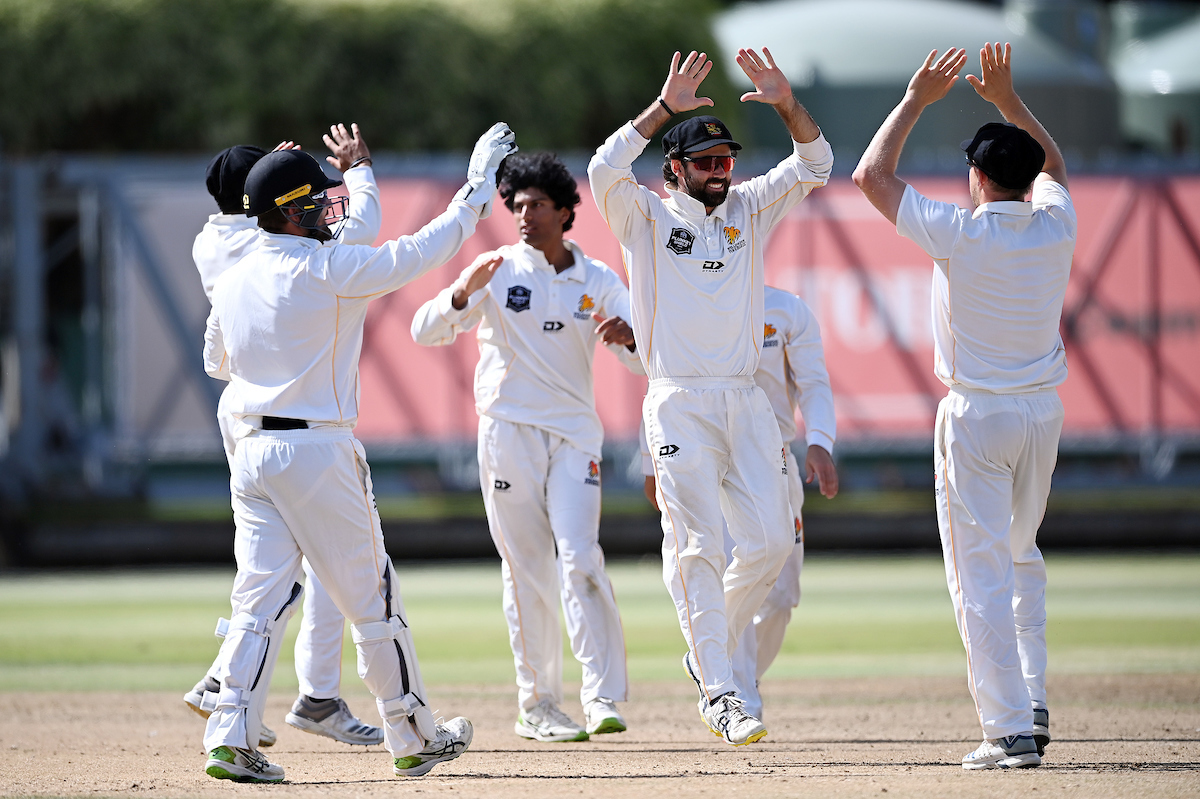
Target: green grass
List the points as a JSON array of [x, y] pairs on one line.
[[152, 630]]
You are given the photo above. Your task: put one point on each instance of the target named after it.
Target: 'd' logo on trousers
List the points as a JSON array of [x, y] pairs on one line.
[[501, 485], [667, 450]]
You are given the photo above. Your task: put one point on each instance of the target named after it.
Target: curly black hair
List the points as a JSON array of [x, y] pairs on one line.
[[540, 171]]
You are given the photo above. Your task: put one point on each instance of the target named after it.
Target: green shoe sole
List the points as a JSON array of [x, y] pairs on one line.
[[607, 726]]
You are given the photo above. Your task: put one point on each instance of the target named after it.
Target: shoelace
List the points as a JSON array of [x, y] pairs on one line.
[[552, 713]]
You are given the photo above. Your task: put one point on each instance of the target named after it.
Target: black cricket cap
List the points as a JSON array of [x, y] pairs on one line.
[[283, 176], [226, 175], [696, 134], [1008, 155]]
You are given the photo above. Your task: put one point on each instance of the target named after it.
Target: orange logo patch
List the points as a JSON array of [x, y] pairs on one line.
[[593, 469], [731, 234], [713, 128], [586, 303], [768, 331]]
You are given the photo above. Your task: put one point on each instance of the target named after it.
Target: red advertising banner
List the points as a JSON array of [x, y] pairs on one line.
[[1131, 322]]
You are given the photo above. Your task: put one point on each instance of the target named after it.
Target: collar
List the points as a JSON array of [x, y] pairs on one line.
[[286, 241], [1011, 207], [691, 208], [574, 272], [233, 221]]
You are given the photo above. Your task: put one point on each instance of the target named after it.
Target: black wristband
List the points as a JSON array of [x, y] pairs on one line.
[[666, 107], [359, 161]]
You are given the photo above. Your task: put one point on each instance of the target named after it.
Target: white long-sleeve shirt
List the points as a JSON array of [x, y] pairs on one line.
[[999, 280], [287, 320], [226, 238], [696, 279], [536, 340], [792, 369]]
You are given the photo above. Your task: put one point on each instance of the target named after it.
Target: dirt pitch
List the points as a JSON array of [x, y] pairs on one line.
[[1114, 736]]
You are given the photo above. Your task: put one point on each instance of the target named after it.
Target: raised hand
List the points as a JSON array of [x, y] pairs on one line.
[[994, 83], [614, 330], [934, 79], [771, 86], [496, 144], [679, 90], [286, 145], [475, 277], [347, 146]]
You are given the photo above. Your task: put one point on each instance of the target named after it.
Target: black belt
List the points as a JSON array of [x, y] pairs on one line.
[[279, 423]]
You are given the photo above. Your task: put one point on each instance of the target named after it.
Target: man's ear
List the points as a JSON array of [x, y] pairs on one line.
[[677, 168]]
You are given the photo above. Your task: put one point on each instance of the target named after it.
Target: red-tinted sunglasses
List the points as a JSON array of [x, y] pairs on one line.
[[709, 163]]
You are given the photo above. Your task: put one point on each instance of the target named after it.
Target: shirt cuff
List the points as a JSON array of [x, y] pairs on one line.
[[816, 150], [822, 440], [445, 305]]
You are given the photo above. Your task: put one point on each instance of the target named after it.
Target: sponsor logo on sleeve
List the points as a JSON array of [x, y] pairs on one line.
[[518, 298], [552, 327], [668, 450], [769, 339], [586, 306], [733, 237], [681, 241], [593, 475]]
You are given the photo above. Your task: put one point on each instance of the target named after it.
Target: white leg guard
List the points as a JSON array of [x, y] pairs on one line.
[[382, 643], [252, 644]]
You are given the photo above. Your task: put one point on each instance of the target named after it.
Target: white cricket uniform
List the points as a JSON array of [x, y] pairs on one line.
[[792, 373], [696, 290], [223, 241], [286, 328], [539, 459], [1000, 275]]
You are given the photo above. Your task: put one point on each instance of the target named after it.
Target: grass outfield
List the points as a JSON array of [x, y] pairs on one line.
[[152, 630]]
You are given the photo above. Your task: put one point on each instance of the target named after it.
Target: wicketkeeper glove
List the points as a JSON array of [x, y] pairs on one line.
[[491, 149]]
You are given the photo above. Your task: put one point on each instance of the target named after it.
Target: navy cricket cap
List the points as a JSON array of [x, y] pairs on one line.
[[226, 175], [1008, 155], [696, 134]]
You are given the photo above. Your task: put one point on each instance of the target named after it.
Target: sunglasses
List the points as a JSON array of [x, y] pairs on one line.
[[709, 163]]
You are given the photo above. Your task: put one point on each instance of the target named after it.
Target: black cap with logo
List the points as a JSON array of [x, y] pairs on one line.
[[226, 175], [696, 134], [283, 176], [1008, 155]]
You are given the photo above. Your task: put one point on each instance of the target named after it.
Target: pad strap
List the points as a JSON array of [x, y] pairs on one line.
[[399, 708], [260, 625], [208, 701], [373, 631], [230, 697]]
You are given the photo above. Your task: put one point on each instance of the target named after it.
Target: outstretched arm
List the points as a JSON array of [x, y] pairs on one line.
[[352, 158], [876, 172], [995, 85], [772, 87], [678, 93]]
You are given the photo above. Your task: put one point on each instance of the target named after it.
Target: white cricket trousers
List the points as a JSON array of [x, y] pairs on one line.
[[542, 498], [994, 455], [319, 644], [307, 493], [718, 456], [761, 641]]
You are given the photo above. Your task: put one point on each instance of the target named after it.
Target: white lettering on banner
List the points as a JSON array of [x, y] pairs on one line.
[[847, 313]]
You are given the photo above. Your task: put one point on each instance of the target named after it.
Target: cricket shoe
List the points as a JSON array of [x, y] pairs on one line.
[[194, 699], [1013, 751], [1041, 728], [727, 717], [545, 722], [241, 765], [452, 740], [601, 716], [332, 719]]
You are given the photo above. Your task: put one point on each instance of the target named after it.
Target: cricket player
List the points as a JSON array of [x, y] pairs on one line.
[[223, 241], [999, 278], [286, 328], [792, 374], [695, 264], [537, 304]]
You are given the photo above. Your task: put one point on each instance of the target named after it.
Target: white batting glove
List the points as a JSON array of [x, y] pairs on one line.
[[492, 148]]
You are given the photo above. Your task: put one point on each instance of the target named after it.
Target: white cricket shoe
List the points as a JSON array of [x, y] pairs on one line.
[[194, 699], [452, 740], [545, 722], [601, 716], [1041, 728], [1013, 751], [242, 765], [727, 718], [332, 719]]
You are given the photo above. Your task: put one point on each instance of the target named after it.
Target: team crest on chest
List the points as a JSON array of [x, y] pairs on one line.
[[518, 298], [733, 237], [681, 241], [586, 306], [769, 339]]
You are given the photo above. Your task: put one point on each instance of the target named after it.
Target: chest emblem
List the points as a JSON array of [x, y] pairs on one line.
[[681, 241], [586, 306], [768, 332], [518, 298], [733, 237]]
